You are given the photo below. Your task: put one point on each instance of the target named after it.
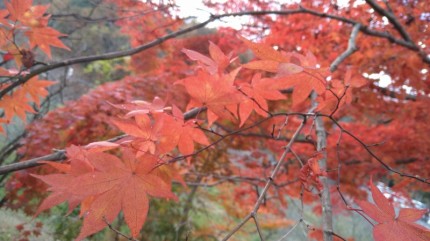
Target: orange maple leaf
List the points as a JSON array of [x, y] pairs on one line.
[[17, 8], [138, 107], [108, 185], [293, 70], [7, 44], [24, 12], [265, 52], [15, 104], [3, 15], [78, 164], [258, 92], [45, 37], [120, 185], [217, 63], [188, 133], [35, 23], [303, 84], [215, 92], [391, 226], [310, 174], [340, 92], [36, 88], [272, 60], [150, 135], [310, 78]]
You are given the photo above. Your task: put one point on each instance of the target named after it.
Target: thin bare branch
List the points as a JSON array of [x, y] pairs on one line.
[[291, 230], [377, 158], [352, 47], [107, 56], [268, 183], [117, 231], [327, 215], [391, 18], [129, 52], [257, 225]]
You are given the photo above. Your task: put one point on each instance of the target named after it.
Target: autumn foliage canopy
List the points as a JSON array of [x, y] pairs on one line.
[[287, 112]]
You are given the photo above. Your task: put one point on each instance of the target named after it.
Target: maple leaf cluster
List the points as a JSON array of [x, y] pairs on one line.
[[21, 17], [226, 96], [105, 184], [154, 131]]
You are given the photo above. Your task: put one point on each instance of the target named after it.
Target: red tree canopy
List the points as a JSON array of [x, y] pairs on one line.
[[305, 102]]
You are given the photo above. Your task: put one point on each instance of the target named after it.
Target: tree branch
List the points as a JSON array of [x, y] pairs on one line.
[[368, 150], [271, 179], [119, 54], [327, 215], [399, 27], [60, 155], [349, 51], [89, 19], [257, 225], [107, 56], [57, 156], [364, 29], [10, 147], [395, 95], [391, 18]]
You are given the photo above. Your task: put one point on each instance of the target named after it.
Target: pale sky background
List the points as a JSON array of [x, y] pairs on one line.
[[197, 9]]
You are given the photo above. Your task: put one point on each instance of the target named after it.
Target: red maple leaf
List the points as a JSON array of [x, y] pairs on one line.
[[45, 37], [340, 92], [355, 81], [390, 226], [188, 133], [215, 64], [107, 186], [258, 92], [36, 88], [310, 173], [310, 78], [215, 92], [23, 11], [338, 96], [150, 135], [15, 104], [120, 185], [294, 70], [270, 57], [138, 107], [78, 164], [39, 34]]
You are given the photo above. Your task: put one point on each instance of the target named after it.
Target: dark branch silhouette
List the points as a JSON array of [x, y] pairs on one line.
[[118, 54]]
